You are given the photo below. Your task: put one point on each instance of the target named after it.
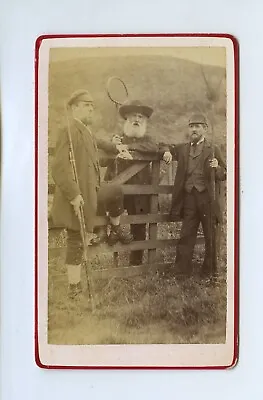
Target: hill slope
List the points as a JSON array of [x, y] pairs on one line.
[[174, 87]]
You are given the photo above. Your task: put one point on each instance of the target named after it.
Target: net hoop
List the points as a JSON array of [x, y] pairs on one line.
[[115, 78]]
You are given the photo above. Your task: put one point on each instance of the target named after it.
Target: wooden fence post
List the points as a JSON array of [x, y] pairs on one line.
[[154, 209], [115, 259]]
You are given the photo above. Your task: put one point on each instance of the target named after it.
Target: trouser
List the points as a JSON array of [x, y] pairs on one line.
[[109, 199], [196, 209]]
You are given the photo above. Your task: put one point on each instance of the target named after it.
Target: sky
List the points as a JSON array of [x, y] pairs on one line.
[[204, 55]]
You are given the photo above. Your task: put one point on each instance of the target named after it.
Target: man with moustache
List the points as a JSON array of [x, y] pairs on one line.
[[192, 194], [135, 138], [69, 196]]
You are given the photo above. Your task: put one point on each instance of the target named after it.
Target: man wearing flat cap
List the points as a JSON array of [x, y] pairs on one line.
[[135, 137], [69, 196], [192, 194]]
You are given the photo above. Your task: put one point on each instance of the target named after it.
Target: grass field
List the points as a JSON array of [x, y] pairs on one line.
[[156, 308]]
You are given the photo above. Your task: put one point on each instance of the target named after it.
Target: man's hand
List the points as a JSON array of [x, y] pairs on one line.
[[124, 152], [121, 147], [213, 163], [167, 157], [116, 139], [125, 155], [77, 203]]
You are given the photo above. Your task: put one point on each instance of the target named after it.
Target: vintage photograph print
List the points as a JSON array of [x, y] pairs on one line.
[[136, 201]]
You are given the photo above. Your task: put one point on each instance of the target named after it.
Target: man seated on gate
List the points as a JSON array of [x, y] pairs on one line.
[[69, 196], [192, 199], [135, 137]]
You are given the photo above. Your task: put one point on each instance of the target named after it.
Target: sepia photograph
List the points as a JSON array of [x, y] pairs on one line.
[[137, 212]]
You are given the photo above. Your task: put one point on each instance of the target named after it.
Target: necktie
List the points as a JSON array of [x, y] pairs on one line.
[[194, 147]]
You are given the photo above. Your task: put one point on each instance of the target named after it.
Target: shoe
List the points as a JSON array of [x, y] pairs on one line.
[[183, 276], [205, 272], [100, 237], [96, 240], [74, 290], [118, 235], [205, 275]]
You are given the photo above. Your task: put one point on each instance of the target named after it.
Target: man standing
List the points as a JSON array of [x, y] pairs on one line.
[[135, 138], [192, 199], [69, 196]]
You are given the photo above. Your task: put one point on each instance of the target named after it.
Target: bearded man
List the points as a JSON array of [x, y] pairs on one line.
[[192, 200], [135, 138]]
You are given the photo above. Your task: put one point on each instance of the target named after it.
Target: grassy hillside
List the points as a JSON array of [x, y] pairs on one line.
[[173, 87]]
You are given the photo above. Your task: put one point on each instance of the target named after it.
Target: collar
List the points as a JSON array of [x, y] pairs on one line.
[[85, 126], [76, 119], [199, 141]]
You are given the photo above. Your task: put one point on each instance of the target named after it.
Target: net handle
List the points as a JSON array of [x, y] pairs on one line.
[[116, 102]]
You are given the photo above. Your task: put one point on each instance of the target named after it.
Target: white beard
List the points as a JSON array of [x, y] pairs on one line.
[[137, 131]]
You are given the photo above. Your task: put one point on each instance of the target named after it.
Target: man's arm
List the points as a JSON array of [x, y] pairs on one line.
[[148, 145], [106, 145], [166, 152], [174, 149], [221, 170], [145, 145], [61, 168], [163, 148]]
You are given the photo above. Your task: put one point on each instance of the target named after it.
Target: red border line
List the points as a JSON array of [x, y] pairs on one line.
[[37, 358], [236, 200], [237, 206]]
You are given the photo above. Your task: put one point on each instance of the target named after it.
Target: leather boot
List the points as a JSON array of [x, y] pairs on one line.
[[74, 290], [117, 234], [101, 236]]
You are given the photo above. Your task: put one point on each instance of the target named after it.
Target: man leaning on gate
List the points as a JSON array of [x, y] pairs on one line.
[[192, 200], [136, 138]]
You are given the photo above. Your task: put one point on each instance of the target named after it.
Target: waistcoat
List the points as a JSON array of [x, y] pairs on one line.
[[195, 170]]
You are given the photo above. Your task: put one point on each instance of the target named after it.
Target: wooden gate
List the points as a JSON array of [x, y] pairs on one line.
[[153, 219]]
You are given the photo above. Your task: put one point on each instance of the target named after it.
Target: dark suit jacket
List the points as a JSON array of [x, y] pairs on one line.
[[138, 204], [87, 164], [181, 154]]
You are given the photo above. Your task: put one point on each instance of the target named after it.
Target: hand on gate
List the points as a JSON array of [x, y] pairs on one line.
[[213, 163], [121, 147], [123, 152], [116, 139], [167, 157], [125, 155], [77, 203]]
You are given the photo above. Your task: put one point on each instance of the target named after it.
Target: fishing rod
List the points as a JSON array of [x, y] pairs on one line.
[[212, 95], [81, 217]]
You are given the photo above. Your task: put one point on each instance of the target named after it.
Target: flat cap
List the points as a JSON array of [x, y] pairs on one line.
[[197, 119], [80, 95], [135, 106]]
